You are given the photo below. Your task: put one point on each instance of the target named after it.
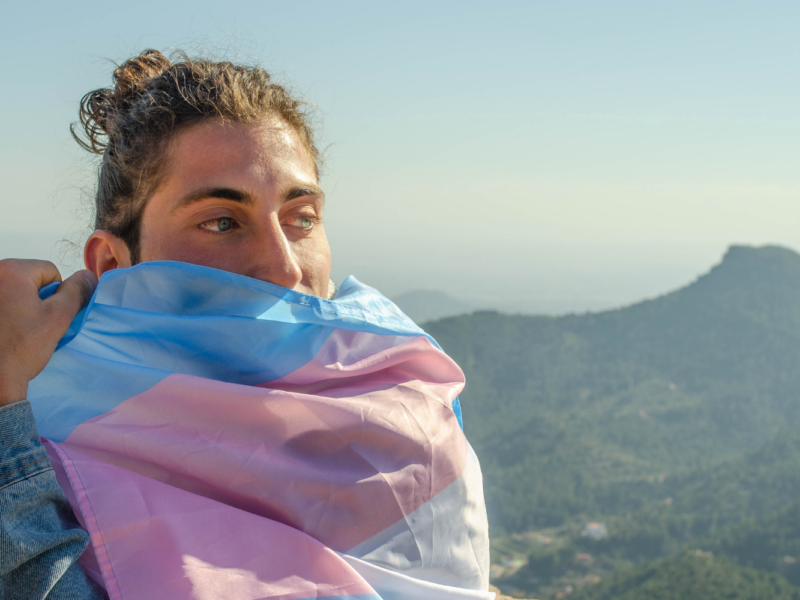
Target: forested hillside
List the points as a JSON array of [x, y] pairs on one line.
[[694, 575], [671, 420]]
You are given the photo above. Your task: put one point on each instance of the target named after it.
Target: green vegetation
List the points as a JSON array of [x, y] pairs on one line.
[[769, 543], [674, 421], [691, 576]]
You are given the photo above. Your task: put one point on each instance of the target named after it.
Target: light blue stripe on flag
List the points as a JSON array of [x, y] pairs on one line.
[[157, 318]]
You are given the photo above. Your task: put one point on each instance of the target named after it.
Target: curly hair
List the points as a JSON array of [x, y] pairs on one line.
[[153, 98]]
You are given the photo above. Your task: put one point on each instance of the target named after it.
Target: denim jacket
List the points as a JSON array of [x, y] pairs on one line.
[[40, 539]]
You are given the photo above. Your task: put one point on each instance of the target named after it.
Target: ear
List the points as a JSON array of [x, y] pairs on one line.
[[104, 251]]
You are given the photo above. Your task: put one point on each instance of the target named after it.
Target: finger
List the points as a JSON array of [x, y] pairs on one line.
[[70, 298], [41, 272]]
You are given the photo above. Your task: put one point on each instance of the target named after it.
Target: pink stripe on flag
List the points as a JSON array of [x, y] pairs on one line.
[[353, 361], [88, 560], [162, 543], [341, 469]]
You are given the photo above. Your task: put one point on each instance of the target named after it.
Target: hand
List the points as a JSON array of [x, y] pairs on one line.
[[30, 328]]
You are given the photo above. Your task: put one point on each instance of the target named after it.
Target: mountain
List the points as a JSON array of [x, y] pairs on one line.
[[428, 305], [592, 414], [690, 576]]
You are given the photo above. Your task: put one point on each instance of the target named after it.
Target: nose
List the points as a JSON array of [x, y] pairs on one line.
[[275, 260]]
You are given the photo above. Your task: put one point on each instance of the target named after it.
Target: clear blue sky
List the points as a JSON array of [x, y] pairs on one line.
[[537, 155]]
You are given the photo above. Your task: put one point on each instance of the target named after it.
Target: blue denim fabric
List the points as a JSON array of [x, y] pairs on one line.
[[40, 539]]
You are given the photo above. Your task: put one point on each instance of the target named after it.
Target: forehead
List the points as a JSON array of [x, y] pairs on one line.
[[268, 151]]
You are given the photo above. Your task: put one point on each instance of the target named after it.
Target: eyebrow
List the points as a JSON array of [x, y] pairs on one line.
[[305, 190], [243, 197]]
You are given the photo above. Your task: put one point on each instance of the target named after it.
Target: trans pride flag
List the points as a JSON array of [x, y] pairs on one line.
[[223, 437]]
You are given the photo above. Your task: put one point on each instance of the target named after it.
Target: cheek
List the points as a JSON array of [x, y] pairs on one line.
[[162, 243], [314, 256]]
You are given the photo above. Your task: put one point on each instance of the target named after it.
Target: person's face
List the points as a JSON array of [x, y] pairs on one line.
[[244, 199]]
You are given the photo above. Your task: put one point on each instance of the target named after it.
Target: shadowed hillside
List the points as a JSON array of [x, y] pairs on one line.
[[671, 419], [562, 409]]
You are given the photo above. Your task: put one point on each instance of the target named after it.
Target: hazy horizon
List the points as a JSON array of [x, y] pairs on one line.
[[558, 156]]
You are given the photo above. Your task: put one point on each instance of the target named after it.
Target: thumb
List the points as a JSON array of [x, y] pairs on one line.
[[70, 297]]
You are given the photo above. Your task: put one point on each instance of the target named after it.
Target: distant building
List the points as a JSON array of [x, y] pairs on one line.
[[595, 531]]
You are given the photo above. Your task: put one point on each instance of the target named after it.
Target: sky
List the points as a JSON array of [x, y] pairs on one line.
[[527, 156]]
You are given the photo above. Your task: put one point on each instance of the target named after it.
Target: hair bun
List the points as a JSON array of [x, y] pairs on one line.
[[100, 108], [132, 75]]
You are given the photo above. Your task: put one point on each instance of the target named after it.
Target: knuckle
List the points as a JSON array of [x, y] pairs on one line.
[[8, 265], [16, 267], [10, 272]]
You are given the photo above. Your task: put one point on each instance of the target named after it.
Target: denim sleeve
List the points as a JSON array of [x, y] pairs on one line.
[[40, 539]]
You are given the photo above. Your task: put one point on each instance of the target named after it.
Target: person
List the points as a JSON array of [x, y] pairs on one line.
[[203, 162]]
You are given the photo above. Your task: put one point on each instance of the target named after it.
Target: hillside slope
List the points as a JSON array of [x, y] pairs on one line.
[[691, 576], [770, 543], [585, 414]]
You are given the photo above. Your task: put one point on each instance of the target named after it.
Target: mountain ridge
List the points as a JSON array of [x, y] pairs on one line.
[[561, 409]]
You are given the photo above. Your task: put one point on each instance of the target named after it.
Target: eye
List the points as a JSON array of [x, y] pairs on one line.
[[305, 222], [219, 225]]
